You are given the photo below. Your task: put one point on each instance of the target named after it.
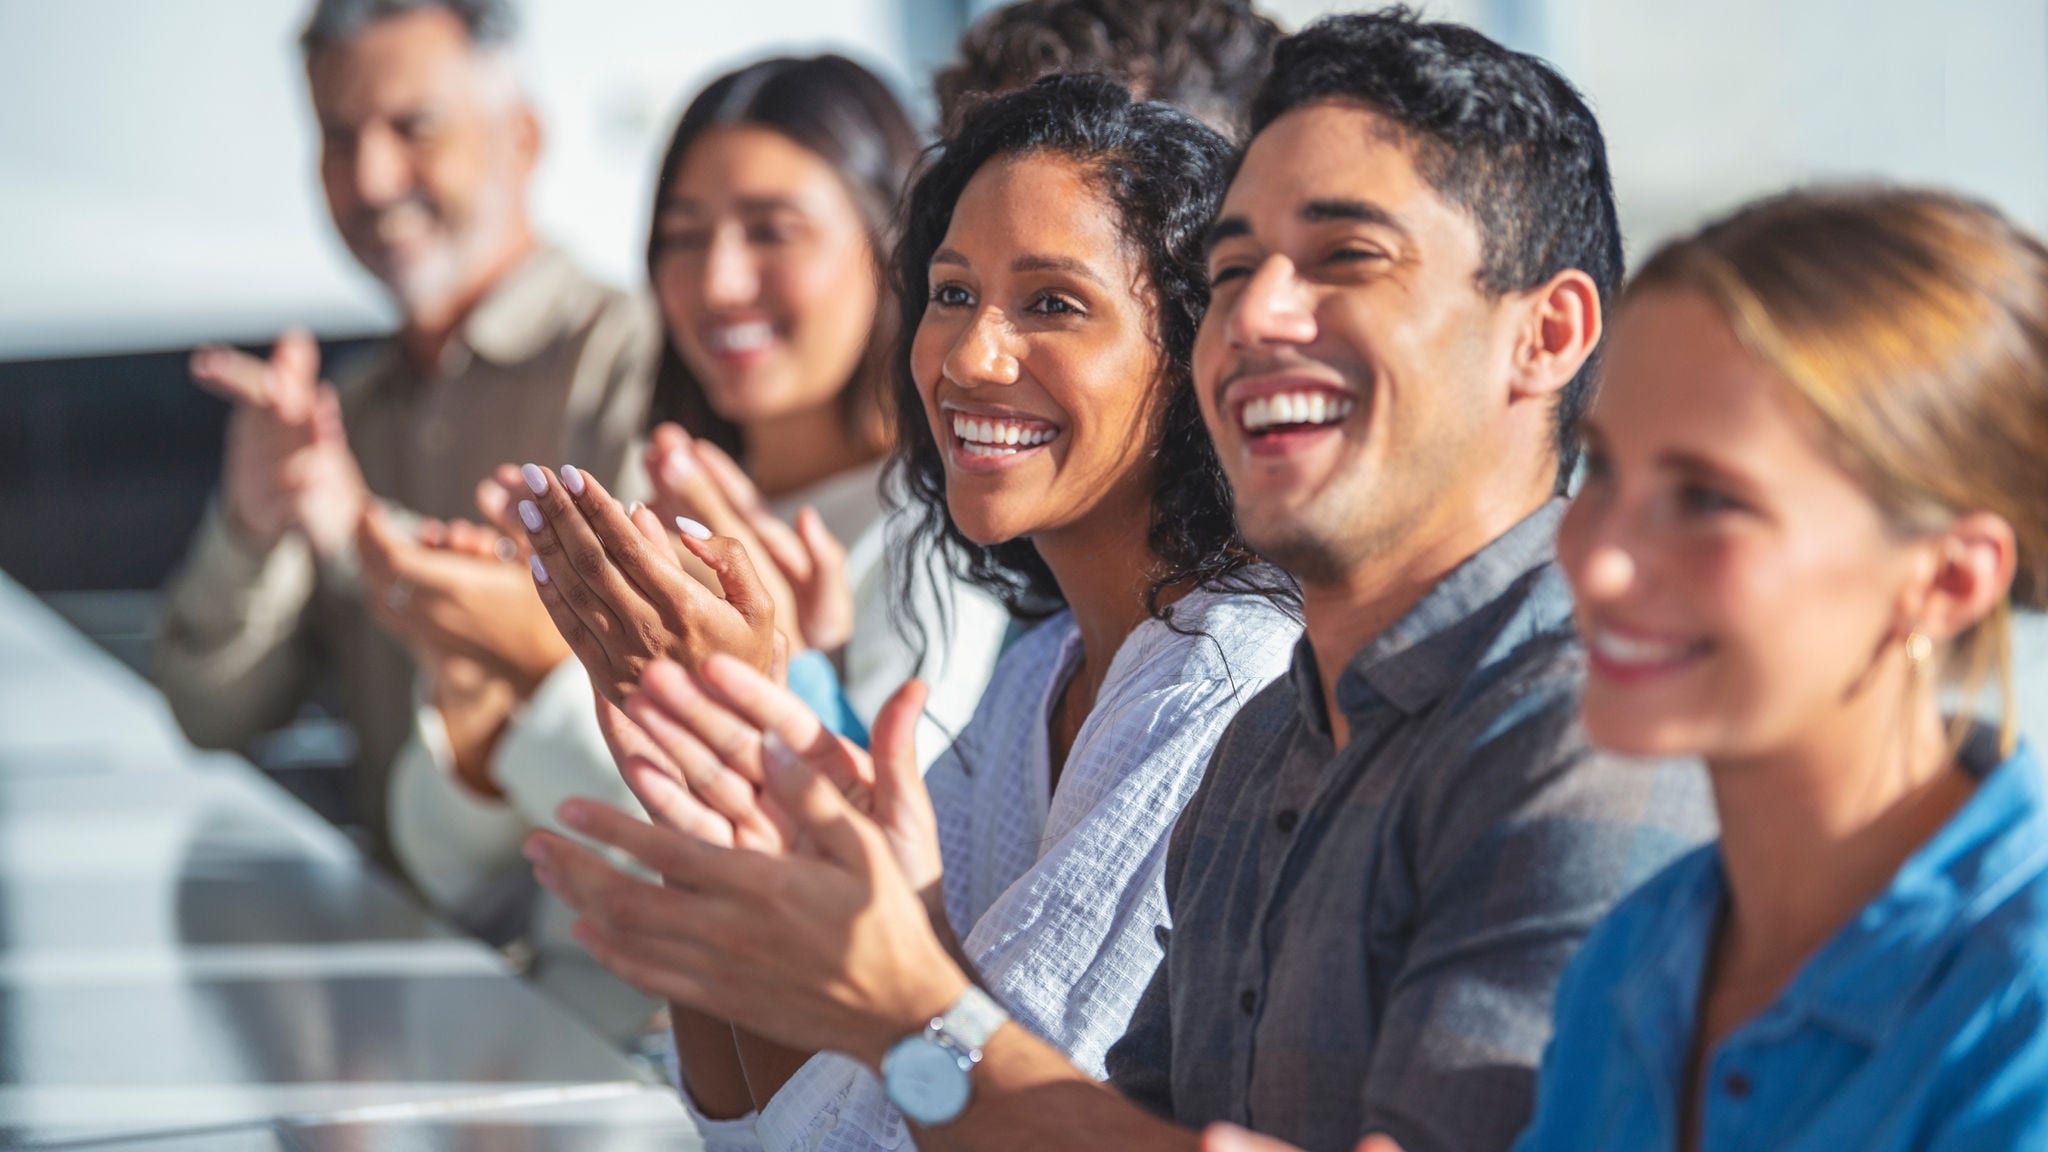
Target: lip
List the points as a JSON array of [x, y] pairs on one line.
[[1630, 656], [961, 456]]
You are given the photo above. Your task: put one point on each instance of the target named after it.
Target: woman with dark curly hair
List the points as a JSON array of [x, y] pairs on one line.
[[1051, 277]]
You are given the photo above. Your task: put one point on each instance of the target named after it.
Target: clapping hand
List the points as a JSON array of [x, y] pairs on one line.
[[818, 939], [288, 466], [452, 589], [617, 593], [806, 572]]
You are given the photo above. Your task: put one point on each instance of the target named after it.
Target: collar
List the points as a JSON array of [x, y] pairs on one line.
[[1504, 595], [523, 311], [1865, 980]]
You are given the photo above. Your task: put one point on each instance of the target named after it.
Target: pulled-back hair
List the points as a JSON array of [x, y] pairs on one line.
[[1163, 174], [1204, 57], [1497, 133], [843, 114], [1913, 327]]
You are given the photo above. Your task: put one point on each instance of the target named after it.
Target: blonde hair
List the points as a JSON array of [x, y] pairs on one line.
[[1914, 326]]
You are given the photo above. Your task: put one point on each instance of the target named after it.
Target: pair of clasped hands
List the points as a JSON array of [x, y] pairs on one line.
[[459, 594]]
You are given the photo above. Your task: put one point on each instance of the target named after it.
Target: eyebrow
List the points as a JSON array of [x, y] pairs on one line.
[[745, 204], [1313, 212], [1066, 264]]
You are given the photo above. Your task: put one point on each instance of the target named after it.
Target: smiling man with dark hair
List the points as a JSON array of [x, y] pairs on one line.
[[1396, 847]]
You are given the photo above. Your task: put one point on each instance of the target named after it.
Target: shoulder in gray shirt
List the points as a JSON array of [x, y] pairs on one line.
[[1369, 939]]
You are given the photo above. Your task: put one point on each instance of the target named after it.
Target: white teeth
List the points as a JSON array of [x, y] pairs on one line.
[[1312, 408], [1633, 650], [748, 337], [1000, 437]]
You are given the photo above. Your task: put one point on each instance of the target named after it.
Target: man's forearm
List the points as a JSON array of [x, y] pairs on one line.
[[1029, 1096]]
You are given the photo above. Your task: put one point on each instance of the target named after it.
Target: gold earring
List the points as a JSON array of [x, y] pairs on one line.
[[1918, 648]]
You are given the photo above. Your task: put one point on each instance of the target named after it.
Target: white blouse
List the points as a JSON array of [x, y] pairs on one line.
[[1059, 896]]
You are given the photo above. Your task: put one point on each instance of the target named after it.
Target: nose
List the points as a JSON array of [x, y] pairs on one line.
[[1598, 548], [383, 171], [1274, 307], [731, 279], [982, 354]]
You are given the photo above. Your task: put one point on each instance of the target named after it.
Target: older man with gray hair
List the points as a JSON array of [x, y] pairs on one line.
[[505, 351]]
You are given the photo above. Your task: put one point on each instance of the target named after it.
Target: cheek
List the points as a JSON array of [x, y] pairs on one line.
[[928, 347]]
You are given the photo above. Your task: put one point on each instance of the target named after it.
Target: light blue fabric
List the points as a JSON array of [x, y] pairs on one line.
[[1919, 1026], [815, 682]]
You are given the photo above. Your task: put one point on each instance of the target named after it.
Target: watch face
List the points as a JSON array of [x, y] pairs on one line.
[[925, 1081]]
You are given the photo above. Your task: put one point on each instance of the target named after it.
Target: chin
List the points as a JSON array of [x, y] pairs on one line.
[[1615, 727]]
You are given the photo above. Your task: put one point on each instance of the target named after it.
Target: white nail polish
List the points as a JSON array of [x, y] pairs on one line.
[[540, 572], [572, 480], [678, 467], [536, 478], [529, 515], [692, 529], [634, 509], [775, 753]]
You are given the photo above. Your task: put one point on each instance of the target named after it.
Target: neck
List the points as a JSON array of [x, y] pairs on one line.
[[1341, 617], [1103, 569], [428, 329], [790, 452], [1812, 832]]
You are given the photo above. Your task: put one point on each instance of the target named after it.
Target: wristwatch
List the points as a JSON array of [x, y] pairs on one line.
[[926, 1075]]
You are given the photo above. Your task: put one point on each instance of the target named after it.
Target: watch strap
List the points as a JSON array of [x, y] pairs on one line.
[[970, 1022]]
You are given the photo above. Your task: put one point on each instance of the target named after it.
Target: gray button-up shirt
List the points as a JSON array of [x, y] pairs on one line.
[[1369, 939]]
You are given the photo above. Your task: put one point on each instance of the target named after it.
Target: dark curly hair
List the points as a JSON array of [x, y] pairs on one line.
[[1496, 132], [1204, 57], [839, 111], [1164, 173]]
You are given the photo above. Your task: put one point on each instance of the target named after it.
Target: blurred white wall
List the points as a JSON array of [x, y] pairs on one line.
[[1710, 103], [157, 182]]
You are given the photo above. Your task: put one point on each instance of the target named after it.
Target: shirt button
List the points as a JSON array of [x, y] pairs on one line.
[[1736, 1085], [1286, 820], [1248, 1001]]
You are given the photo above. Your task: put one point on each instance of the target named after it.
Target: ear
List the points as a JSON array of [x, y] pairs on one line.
[[1561, 325], [1974, 560], [528, 134]]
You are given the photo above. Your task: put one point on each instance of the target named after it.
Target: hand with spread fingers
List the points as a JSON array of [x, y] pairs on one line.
[[288, 466], [806, 573], [825, 947], [618, 594]]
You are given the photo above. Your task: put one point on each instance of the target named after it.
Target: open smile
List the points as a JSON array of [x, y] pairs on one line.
[[982, 440]]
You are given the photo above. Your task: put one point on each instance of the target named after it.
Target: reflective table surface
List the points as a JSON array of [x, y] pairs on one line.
[[189, 959]]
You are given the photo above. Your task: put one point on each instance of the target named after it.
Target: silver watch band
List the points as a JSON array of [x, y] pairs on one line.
[[969, 1023]]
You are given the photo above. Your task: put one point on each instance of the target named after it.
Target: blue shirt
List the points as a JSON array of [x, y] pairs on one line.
[[1918, 1026], [1367, 938]]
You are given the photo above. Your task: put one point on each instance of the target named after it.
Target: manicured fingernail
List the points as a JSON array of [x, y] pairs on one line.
[[572, 480], [633, 509], [774, 753], [692, 529], [504, 549], [574, 816], [536, 478], [678, 467], [540, 572], [529, 515]]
